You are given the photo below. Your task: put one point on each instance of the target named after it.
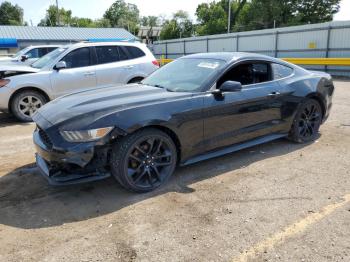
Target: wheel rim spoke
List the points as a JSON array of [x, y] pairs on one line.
[[135, 158], [150, 178], [162, 156], [163, 163], [156, 173], [141, 175], [138, 148], [151, 145]]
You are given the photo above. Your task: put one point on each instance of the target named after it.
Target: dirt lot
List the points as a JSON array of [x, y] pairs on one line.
[[275, 202]]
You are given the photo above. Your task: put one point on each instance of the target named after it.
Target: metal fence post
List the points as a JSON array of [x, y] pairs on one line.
[[237, 43], [207, 44], [166, 49], [327, 46], [184, 47], [276, 44]]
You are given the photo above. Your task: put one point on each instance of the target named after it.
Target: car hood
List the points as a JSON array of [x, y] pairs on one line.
[[6, 59], [18, 68], [89, 106]]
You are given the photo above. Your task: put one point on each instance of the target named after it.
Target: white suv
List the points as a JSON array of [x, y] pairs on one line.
[[28, 55], [72, 68]]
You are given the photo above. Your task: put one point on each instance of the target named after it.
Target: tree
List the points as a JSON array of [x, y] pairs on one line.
[[124, 15], [10, 14], [179, 26], [65, 17], [150, 21], [267, 13], [315, 11], [213, 17], [102, 22]]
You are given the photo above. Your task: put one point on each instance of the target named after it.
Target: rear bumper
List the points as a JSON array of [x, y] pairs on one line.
[[67, 167]]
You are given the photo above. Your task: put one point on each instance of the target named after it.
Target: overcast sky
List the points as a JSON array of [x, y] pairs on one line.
[[34, 10]]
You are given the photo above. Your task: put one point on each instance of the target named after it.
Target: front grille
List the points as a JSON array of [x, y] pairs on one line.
[[45, 138]]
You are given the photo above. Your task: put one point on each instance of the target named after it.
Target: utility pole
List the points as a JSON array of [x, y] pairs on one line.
[[58, 14], [229, 17]]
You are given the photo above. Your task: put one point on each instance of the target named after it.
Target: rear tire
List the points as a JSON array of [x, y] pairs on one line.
[[144, 160], [307, 122], [26, 103]]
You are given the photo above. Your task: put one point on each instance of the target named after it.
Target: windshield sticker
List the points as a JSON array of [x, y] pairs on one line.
[[208, 65]]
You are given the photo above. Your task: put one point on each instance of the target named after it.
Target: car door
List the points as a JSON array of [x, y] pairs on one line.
[[243, 115], [110, 68], [78, 75]]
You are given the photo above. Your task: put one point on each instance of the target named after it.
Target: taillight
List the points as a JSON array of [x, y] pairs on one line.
[[4, 82], [155, 62]]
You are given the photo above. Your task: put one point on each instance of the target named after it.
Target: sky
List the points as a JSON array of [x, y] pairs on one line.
[[34, 10]]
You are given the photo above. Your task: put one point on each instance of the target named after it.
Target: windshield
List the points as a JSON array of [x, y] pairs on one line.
[[21, 52], [43, 61], [184, 75]]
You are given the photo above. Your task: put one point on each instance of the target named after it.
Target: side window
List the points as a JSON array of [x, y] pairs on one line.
[[34, 53], [78, 58], [42, 51], [248, 73], [107, 54], [122, 53], [50, 49], [280, 71], [135, 52]]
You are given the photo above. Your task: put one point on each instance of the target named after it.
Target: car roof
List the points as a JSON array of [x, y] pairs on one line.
[[103, 43], [230, 57], [39, 46]]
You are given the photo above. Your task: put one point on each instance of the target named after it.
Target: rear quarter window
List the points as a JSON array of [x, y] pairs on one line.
[[280, 71], [134, 52]]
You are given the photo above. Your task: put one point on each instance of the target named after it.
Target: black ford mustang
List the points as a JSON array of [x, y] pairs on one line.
[[197, 107]]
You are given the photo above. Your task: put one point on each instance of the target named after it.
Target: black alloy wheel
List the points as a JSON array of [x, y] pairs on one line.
[[145, 160], [307, 122]]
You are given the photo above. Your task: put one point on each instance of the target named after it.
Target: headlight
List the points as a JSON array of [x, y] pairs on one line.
[[4, 82], [85, 135]]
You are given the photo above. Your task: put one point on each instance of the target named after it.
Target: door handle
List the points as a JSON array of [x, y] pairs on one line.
[[89, 73], [274, 94], [129, 67]]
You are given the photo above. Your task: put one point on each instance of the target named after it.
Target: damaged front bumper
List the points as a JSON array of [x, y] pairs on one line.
[[77, 164]]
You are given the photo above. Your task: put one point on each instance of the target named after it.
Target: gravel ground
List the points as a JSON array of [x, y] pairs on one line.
[[274, 202]]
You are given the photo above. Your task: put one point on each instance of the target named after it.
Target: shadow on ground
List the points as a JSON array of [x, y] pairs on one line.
[[27, 201], [9, 120]]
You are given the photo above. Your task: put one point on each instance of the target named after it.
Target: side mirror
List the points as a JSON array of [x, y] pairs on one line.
[[230, 86], [60, 65], [24, 58]]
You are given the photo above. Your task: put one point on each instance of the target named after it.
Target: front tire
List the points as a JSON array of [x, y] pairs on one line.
[[307, 122], [144, 160], [26, 103]]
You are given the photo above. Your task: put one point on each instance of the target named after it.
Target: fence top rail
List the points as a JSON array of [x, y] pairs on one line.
[[271, 31], [298, 61]]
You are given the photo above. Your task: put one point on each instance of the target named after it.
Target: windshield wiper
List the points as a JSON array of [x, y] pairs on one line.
[[167, 89], [159, 86]]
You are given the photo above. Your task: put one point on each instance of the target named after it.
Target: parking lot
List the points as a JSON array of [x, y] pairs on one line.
[[276, 202]]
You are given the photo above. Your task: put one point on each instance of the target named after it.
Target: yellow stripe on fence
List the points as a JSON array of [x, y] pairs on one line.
[[298, 61], [319, 61]]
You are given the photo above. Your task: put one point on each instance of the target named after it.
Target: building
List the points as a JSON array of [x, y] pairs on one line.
[[149, 34], [13, 38]]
